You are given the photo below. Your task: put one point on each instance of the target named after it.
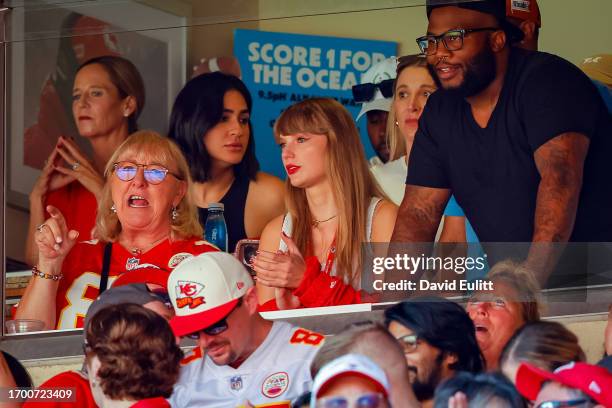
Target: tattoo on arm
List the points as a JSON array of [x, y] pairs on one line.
[[419, 214], [560, 163]]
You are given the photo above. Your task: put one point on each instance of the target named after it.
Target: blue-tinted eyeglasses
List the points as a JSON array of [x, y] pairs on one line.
[[370, 400], [153, 173]]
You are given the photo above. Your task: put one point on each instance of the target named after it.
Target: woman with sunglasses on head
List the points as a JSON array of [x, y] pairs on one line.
[[108, 95], [145, 218], [312, 256], [211, 123], [413, 85]]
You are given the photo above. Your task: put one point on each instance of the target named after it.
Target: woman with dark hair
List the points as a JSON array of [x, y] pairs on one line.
[[211, 123], [132, 357], [107, 97]]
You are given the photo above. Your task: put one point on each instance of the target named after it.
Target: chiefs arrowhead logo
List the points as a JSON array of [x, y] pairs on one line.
[[240, 285], [188, 288], [186, 294]]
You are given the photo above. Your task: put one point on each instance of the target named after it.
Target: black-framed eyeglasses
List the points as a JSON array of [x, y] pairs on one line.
[[216, 328], [408, 342], [365, 92], [452, 39], [369, 400], [563, 404], [153, 173]]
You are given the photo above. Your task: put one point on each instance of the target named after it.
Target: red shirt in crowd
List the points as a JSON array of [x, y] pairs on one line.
[[83, 267], [78, 206], [68, 379]]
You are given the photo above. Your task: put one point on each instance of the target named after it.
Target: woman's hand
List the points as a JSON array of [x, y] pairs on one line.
[[54, 241], [281, 269], [49, 179], [79, 167], [285, 299]]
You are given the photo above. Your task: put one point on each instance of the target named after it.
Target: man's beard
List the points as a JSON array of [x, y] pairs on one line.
[[424, 391], [480, 72]]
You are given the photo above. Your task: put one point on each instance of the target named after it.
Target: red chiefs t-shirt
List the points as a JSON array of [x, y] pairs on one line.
[[158, 402], [67, 379], [83, 267], [78, 206]]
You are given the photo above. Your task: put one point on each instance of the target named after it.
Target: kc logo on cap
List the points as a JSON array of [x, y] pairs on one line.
[[206, 288], [186, 294]]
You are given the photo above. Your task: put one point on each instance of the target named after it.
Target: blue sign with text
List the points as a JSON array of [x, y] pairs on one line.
[[280, 69]]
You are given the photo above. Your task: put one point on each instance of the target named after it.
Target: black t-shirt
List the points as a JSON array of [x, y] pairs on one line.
[[492, 171]]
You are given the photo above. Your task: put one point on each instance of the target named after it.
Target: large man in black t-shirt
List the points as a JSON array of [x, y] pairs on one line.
[[522, 139]]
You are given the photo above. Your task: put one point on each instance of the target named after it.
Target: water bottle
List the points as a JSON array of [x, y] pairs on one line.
[[215, 227]]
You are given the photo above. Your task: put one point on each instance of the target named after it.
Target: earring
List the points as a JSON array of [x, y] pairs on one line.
[[396, 123], [175, 214], [113, 209], [126, 114]]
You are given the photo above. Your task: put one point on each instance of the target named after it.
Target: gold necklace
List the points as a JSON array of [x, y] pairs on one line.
[[139, 251], [315, 223]]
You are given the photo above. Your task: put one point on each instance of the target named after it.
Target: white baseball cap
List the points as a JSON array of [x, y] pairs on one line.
[[204, 289], [385, 69], [349, 364]]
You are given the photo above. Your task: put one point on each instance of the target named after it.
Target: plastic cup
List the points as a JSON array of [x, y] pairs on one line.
[[23, 326]]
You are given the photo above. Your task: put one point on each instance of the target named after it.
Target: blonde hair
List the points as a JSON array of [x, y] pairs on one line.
[[161, 150], [352, 183], [395, 140], [524, 283]]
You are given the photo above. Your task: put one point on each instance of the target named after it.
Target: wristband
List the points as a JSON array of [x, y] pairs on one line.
[[37, 272]]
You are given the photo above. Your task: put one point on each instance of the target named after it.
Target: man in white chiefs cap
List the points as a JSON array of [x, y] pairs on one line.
[[241, 358]]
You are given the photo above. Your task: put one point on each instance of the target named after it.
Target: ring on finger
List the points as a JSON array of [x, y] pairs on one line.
[[75, 165], [40, 227]]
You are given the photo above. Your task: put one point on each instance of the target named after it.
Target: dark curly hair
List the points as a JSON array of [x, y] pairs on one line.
[[137, 351]]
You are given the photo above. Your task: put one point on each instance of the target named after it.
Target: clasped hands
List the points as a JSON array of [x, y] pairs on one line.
[[280, 269], [55, 176]]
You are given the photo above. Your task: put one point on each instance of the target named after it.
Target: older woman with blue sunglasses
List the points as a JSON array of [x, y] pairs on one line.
[[146, 218]]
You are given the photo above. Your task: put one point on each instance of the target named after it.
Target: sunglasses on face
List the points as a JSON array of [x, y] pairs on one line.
[[373, 400], [562, 404], [408, 342], [452, 39], [365, 92], [216, 328], [153, 173]]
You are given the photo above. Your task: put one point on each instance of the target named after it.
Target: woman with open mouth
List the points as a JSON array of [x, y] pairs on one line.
[[312, 255], [146, 225]]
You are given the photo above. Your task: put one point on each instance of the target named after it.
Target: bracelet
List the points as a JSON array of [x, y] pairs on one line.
[[37, 272]]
